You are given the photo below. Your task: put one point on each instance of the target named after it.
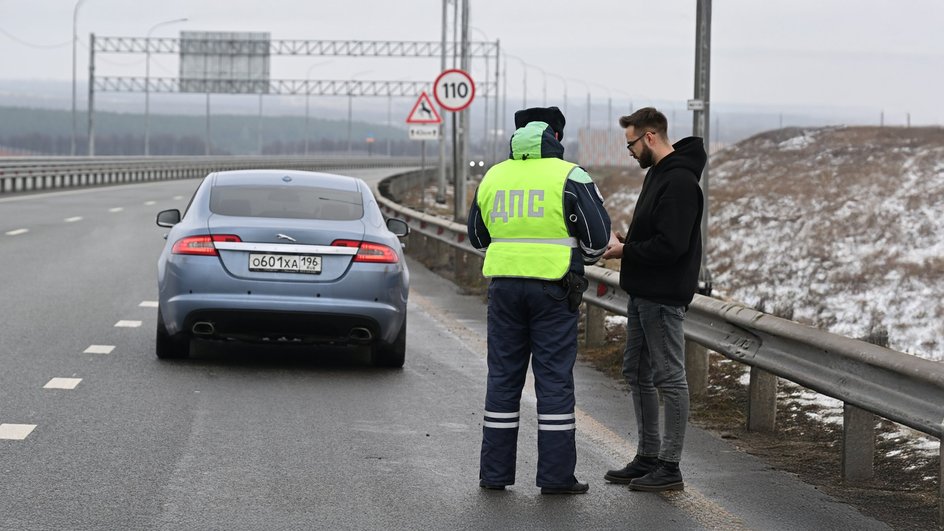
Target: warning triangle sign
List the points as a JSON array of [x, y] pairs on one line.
[[424, 112]]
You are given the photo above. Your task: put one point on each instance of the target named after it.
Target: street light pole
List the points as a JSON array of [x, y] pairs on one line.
[[75, 38], [609, 101], [562, 78], [147, 82], [350, 98], [308, 100], [543, 83], [524, 79], [587, 85]]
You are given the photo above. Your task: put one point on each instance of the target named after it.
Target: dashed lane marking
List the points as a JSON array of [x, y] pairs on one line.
[[178, 197], [99, 349], [148, 304], [150, 203], [17, 232], [16, 432], [128, 324], [62, 383], [116, 209], [73, 219]]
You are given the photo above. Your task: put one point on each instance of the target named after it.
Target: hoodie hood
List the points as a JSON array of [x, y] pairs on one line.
[[689, 154], [535, 141]]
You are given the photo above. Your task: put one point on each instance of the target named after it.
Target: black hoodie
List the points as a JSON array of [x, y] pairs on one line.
[[662, 252]]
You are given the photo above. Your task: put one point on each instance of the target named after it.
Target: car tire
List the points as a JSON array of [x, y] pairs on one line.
[[391, 354], [168, 346]]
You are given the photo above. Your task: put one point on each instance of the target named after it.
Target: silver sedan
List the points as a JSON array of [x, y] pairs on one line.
[[283, 257]]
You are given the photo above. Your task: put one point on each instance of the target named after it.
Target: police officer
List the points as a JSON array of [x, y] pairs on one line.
[[539, 219]]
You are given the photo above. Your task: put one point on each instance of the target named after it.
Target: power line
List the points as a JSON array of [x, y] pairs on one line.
[[33, 45]]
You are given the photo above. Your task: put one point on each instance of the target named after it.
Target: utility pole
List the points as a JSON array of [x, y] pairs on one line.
[[696, 356], [91, 97], [462, 176], [441, 185], [700, 120]]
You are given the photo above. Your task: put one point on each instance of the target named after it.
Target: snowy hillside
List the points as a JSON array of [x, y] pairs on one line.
[[841, 228]]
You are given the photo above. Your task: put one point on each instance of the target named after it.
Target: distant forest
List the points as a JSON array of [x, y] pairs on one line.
[[49, 132]]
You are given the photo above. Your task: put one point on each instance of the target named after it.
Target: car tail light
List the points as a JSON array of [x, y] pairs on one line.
[[202, 245], [369, 252]]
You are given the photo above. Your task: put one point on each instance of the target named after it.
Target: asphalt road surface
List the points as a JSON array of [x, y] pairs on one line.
[[263, 438]]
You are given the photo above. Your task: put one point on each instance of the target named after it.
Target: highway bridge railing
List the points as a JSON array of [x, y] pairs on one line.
[[870, 380], [32, 174]]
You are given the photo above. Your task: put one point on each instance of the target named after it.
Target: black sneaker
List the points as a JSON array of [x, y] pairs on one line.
[[576, 488], [637, 468], [666, 477]]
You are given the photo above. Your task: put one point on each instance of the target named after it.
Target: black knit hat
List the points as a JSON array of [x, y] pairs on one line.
[[552, 116]]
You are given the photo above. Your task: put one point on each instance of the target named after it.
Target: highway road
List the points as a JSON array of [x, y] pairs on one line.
[[259, 438]]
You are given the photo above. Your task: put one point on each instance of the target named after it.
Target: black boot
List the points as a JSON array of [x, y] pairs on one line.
[[666, 476], [575, 488], [637, 468]]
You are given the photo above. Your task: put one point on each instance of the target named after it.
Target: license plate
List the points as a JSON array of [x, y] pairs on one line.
[[286, 263]]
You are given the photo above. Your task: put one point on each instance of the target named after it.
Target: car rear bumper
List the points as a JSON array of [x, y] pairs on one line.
[[282, 319]]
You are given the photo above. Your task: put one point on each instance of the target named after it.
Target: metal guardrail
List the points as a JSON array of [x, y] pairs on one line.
[[25, 174], [891, 384]]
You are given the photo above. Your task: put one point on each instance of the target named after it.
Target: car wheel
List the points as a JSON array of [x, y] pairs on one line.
[[167, 346], [391, 354]]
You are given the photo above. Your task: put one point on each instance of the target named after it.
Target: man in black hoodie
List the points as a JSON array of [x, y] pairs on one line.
[[660, 259]]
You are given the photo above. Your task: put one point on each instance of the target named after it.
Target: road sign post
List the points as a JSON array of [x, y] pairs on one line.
[[454, 91], [424, 121]]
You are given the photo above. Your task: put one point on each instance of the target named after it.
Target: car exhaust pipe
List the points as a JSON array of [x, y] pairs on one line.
[[361, 334], [203, 328]]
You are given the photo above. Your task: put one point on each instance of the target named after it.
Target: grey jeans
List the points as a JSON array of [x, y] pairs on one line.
[[654, 359]]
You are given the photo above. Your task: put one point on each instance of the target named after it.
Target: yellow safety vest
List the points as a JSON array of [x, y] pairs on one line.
[[522, 205]]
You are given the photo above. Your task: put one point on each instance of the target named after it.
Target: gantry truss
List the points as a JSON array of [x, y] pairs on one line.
[[280, 87], [354, 48]]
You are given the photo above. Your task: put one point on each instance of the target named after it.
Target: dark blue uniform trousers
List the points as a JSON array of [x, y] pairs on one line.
[[529, 319]]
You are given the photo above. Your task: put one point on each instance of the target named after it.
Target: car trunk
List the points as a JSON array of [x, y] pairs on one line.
[[268, 242]]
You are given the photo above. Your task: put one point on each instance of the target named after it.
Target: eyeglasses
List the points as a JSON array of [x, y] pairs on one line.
[[629, 145]]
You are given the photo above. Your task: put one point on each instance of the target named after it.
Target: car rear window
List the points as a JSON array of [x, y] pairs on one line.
[[296, 202]]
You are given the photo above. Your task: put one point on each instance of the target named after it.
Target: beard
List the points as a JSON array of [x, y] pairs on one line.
[[645, 159]]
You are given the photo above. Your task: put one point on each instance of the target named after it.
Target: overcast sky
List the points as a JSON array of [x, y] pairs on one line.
[[872, 55]]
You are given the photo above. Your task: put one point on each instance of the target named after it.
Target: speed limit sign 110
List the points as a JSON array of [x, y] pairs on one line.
[[454, 90]]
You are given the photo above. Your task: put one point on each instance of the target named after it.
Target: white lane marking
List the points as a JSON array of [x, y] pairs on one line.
[[150, 203], [62, 383], [116, 209], [16, 432], [73, 219], [148, 304], [178, 197], [99, 349], [17, 232], [128, 324]]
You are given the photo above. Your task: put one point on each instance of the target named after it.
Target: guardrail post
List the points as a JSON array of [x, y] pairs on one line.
[[594, 334], [762, 401], [439, 255], [696, 369], [858, 443], [467, 270], [416, 246]]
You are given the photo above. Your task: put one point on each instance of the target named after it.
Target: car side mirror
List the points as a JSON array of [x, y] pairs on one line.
[[398, 227], [168, 218]]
